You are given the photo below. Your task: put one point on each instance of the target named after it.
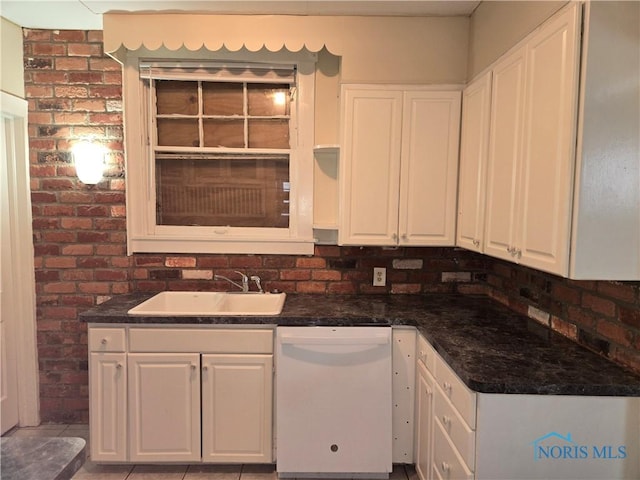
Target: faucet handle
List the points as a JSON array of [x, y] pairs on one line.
[[245, 281], [256, 279]]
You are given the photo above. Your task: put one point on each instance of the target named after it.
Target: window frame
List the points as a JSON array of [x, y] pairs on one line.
[[145, 236]]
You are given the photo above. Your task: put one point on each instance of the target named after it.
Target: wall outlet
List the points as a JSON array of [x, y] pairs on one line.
[[379, 276]]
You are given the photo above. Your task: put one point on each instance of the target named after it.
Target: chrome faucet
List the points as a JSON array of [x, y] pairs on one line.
[[245, 281]]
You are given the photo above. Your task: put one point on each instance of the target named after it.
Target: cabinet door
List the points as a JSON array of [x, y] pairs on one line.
[[370, 166], [429, 168], [164, 407], [505, 149], [474, 145], [108, 406], [424, 422], [549, 144], [237, 408]]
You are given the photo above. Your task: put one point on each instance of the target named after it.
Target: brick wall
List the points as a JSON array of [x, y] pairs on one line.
[[74, 91], [602, 316]]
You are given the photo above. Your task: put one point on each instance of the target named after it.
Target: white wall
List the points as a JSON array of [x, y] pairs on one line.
[[11, 54], [350, 49], [418, 50], [496, 26]]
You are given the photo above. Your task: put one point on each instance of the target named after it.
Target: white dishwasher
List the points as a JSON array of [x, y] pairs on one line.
[[333, 402]]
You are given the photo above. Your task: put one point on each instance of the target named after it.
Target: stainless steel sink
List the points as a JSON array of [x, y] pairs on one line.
[[185, 304]]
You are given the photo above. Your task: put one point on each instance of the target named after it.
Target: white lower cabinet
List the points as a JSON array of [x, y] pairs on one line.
[[445, 432], [461, 434], [236, 408], [181, 394], [164, 407], [108, 406], [424, 421], [107, 394]]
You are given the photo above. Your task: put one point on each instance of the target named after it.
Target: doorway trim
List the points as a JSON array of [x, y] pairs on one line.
[[21, 263]]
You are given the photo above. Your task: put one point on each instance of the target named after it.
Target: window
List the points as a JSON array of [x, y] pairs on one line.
[[224, 157]]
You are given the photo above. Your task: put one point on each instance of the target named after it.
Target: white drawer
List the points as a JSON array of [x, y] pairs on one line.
[[426, 354], [446, 461], [463, 399], [201, 340], [107, 339], [462, 437]]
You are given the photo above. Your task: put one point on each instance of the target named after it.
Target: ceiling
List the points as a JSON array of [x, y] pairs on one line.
[[87, 14]]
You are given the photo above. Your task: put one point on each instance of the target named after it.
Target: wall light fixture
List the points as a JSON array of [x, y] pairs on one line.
[[89, 160]]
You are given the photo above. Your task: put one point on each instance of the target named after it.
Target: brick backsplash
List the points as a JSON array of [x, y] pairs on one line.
[[74, 91], [602, 316]]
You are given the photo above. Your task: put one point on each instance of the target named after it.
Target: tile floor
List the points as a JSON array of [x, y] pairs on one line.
[[93, 471]]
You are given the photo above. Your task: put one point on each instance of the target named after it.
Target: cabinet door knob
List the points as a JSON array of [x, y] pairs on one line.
[[193, 367], [119, 366], [394, 237], [476, 243], [446, 386], [205, 368], [446, 420], [445, 467], [104, 341], [405, 236]]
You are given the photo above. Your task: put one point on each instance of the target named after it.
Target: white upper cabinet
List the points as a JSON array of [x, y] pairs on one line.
[[546, 182], [370, 166], [531, 148], [563, 168], [429, 168], [398, 172], [474, 144], [505, 145]]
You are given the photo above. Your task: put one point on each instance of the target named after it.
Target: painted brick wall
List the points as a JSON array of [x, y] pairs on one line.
[[74, 91]]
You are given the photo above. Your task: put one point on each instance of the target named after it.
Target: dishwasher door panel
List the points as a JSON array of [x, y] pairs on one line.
[[334, 404]]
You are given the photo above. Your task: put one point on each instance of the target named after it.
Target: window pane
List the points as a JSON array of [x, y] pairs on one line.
[[222, 98], [268, 100], [268, 133], [176, 97], [238, 192], [173, 132], [223, 133]]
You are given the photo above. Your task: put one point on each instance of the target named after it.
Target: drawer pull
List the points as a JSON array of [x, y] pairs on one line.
[[445, 467], [104, 341], [446, 421], [447, 387]]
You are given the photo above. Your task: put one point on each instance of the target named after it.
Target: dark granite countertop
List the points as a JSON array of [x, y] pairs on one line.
[[491, 348], [41, 458]]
